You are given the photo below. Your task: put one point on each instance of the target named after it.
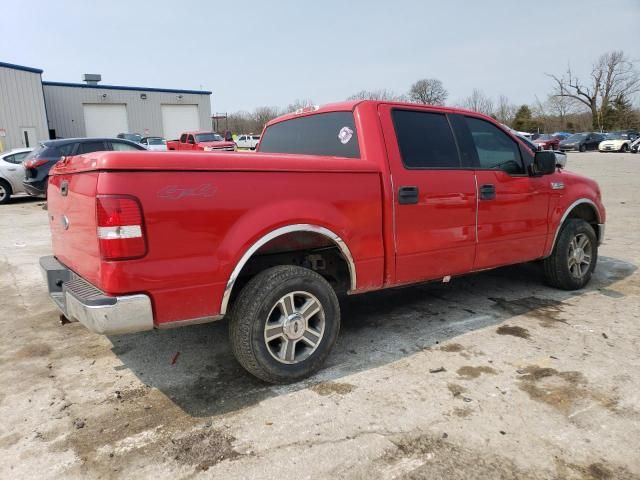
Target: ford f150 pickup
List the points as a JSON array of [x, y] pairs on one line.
[[349, 198], [201, 142]]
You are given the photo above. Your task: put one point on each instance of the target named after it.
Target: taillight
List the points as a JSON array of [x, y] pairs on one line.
[[120, 227], [34, 163]]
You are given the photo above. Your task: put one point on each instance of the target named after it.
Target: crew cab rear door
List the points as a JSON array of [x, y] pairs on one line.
[[512, 206], [434, 198]]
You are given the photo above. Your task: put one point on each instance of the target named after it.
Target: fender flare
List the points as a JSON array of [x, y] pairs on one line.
[[568, 211], [300, 227]]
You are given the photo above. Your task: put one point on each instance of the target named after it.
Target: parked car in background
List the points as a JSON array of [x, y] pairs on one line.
[[132, 137], [202, 142], [547, 141], [248, 141], [561, 157], [581, 142], [12, 173], [156, 144], [38, 163], [562, 135], [617, 142]]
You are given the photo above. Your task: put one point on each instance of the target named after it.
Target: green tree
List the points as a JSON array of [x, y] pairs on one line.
[[523, 121]]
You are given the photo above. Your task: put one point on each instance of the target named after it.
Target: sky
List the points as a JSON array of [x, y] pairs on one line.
[[272, 52]]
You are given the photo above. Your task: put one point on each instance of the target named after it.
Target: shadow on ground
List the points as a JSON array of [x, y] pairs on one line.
[[194, 366]]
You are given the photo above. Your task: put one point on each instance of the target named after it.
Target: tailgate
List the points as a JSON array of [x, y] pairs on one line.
[[71, 204]]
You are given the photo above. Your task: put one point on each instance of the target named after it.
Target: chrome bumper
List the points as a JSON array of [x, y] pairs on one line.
[[82, 302]]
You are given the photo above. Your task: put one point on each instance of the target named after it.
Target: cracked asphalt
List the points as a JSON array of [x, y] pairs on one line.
[[490, 376]]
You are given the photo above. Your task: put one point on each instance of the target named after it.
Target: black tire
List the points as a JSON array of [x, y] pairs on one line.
[[624, 148], [5, 192], [583, 148], [557, 271], [256, 305]]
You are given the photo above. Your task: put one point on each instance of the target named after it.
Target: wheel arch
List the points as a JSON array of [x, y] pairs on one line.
[[328, 234], [584, 209]]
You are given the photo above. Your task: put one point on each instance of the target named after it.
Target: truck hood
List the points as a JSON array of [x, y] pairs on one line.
[[209, 161]]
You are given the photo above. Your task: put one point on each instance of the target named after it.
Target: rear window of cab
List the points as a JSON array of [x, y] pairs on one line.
[[331, 134]]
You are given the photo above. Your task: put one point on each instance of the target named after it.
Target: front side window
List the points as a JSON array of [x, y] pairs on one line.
[[331, 134], [495, 149], [425, 140]]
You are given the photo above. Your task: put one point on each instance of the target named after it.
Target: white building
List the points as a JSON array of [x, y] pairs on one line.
[[32, 110], [23, 119]]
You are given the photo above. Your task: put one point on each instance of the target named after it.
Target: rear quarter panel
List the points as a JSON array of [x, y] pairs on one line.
[[199, 224]]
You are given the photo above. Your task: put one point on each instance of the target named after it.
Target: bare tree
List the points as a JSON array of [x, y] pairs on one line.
[[506, 111], [299, 104], [429, 91], [263, 114], [479, 102], [613, 75], [377, 95]]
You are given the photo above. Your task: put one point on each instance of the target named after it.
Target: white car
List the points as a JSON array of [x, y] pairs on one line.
[[616, 142], [12, 173], [248, 141], [155, 144]]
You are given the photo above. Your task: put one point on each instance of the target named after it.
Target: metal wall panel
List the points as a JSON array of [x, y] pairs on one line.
[[66, 116], [21, 105]]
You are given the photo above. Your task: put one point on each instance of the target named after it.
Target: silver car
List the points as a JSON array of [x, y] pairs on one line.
[[12, 172]]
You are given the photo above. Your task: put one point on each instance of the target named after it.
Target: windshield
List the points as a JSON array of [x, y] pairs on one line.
[[576, 137], [156, 141], [209, 137], [617, 136]]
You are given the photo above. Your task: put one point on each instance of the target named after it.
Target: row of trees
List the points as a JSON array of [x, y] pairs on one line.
[[601, 101]]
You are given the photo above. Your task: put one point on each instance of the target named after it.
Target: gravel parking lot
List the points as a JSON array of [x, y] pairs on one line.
[[491, 376]]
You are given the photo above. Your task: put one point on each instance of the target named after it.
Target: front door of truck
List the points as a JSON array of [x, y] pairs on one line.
[[512, 206], [434, 195]]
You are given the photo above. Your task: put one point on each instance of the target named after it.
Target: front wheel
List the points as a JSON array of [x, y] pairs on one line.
[[284, 324], [624, 148], [574, 256], [583, 148]]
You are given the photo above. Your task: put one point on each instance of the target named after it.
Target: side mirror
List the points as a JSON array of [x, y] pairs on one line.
[[561, 159], [544, 163]]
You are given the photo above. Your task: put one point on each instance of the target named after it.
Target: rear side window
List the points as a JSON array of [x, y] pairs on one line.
[[425, 140], [183, 138], [330, 134], [89, 147], [496, 150]]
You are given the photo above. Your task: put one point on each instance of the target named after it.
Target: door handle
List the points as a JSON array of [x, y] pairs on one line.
[[11, 169], [488, 192], [408, 195]]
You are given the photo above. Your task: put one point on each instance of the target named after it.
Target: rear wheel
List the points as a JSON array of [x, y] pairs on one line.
[[284, 324], [574, 256], [5, 192]]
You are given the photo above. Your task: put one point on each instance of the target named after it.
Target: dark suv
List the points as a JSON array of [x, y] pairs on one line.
[[38, 163]]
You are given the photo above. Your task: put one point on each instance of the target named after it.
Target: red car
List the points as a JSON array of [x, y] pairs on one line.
[[547, 142], [346, 199], [201, 142]]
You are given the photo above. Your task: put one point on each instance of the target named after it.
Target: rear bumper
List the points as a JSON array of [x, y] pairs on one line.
[[82, 302], [35, 189]]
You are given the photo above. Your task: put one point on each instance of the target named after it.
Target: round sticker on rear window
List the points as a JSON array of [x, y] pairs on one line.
[[344, 135]]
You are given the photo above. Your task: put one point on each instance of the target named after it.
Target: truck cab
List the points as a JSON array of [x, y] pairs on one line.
[[201, 142]]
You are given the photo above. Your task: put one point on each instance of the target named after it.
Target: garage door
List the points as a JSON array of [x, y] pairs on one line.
[[179, 118], [102, 120]]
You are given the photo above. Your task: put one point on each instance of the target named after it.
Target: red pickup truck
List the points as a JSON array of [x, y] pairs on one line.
[[350, 198], [201, 142]]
